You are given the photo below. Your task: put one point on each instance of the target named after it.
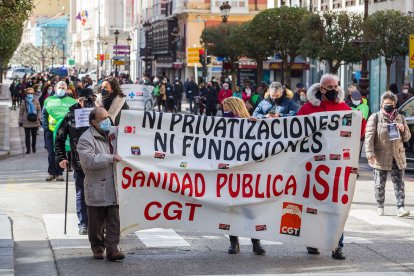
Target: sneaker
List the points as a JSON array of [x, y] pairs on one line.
[[338, 254], [402, 212], [83, 231], [115, 256], [50, 178], [60, 178], [380, 211]]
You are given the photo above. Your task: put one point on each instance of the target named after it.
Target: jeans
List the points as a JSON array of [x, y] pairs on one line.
[[81, 210], [30, 131], [53, 168], [190, 100]]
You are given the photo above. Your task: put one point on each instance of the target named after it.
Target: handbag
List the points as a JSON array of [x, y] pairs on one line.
[[32, 117]]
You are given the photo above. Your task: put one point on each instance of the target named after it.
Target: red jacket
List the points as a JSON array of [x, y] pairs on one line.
[[223, 94], [316, 105]]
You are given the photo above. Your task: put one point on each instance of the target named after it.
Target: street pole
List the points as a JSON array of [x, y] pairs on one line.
[[63, 54], [364, 80], [98, 41], [53, 49], [116, 33]]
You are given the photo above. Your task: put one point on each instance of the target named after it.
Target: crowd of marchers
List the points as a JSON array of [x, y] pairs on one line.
[[90, 150]]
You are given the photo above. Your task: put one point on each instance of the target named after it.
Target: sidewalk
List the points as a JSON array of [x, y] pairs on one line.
[[4, 123]]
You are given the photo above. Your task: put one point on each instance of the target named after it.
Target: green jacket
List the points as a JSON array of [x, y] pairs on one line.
[[363, 107]]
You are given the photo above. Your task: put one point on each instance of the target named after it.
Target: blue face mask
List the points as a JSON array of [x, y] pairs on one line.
[[29, 97], [105, 124], [60, 92]]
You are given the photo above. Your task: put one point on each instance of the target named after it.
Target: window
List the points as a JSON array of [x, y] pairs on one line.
[[408, 109]]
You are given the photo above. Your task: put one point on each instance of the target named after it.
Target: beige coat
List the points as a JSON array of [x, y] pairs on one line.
[[97, 162], [377, 143], [23, 115]]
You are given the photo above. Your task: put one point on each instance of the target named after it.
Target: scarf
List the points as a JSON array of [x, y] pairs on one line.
[[30, 107], [391, 116], [108, 101]]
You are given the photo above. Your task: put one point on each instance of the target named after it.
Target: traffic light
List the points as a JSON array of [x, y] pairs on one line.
[[201, 57]]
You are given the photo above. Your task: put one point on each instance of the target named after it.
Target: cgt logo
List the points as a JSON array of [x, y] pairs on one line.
[[291, 219]]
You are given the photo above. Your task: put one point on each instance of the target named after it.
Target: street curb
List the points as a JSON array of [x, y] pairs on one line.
[[6, 246], [5, 151]]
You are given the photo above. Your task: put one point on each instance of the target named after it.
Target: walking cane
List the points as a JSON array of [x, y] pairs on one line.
[[66, 197]]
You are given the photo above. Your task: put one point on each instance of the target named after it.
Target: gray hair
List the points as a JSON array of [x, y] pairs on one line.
[[328, 77], [60, 83], [274, 86], [388, 95]]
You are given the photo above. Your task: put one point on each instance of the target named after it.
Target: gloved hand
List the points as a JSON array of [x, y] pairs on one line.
[[20, 124]]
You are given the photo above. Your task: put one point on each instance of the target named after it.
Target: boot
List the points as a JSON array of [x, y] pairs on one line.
[[234, 245], [257, 247]]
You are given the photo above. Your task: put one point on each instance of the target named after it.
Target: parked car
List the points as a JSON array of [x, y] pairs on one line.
[[61, 72], [18, 73], [407, 109], [92, 75]]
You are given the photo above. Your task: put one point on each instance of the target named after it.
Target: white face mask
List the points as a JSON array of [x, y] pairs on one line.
[[248, 91], [405, 91], [356, 103], [303, 98]]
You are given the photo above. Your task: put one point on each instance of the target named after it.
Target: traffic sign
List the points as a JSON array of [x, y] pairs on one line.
[[71, 62], [411, 51], [193, 54]]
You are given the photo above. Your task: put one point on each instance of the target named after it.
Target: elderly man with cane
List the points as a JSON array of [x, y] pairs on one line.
[[97, 154]]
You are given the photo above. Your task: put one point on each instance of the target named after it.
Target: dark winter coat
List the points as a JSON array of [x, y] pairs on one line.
[[285, 108], [68, 127]]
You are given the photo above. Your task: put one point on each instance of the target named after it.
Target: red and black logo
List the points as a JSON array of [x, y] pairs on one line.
[[261, 227], [223, 226], [222, 166], [312, 211], [334, 156], [319, 157], [135, 150], [344, 133], [129, 129], [346, 154], [291, 219], [159, 155]]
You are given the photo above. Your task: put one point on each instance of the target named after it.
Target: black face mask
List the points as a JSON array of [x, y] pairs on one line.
[[104, 92], [389, 108], [331, 94]]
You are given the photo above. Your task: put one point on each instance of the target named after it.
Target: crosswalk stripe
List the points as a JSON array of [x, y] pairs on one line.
[[372, 218], [248, 241], [349, 239], [158, 237], [54, 224]]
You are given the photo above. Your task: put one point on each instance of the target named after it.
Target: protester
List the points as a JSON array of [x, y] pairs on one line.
[[235, 107], [14, 92], [393, 88], [404, 95], [68, 127], [224, 93], [237, 92], [386, 132], [277, 104], [211, 100], [326, 96], [359, 103], [47, 91], [191, 90], [37, 91], [178, 93], [247, 93], [302, 98], [54, 110], [113, 100], [98, 154], [29, 119]]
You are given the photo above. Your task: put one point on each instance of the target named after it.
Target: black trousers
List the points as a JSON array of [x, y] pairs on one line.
[[98, 217], [30, 131]]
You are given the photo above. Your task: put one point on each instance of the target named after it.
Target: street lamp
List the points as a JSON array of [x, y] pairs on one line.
[[364, 80], [225, 11], [129, 40], [43, 57], [147, 27], [116, 33]]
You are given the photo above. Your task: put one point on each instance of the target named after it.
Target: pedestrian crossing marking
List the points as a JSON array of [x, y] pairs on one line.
[[158, 237], [54, 224], [372, 218], [359, 240], [248, 241]]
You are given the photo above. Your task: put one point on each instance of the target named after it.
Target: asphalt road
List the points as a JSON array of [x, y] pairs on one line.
[[373, 244]]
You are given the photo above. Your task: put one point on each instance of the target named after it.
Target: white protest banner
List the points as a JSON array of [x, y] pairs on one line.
[[286, 179], [137, 95], [82, 117]]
